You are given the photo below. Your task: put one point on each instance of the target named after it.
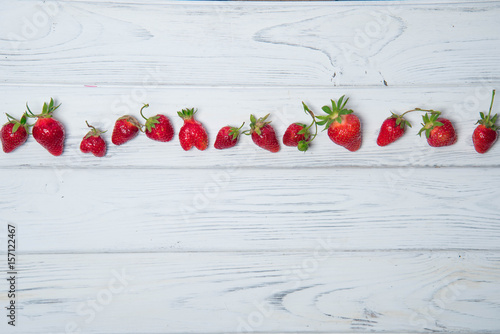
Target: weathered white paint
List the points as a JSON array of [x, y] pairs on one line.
[[238, 44], [226, 209], [167, 241], [314, 291]]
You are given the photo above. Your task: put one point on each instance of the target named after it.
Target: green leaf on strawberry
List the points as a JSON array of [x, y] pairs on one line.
[[334, 113], [47, 110], [430, 122]]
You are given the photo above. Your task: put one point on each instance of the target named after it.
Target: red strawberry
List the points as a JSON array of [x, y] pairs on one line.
[[485, 134], [126, 128], [392, 129], [93, 142], [14, 133], [48, 131], [158, 127], [298, 135], [227, 137], [484, 137], [439, 131], [263, 134], [192, 132], [344, 128], [295, 133]]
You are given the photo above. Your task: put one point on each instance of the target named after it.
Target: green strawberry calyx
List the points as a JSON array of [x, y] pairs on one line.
[[235, 132], [93, 132], [151, 121], [47, 110], [334, 113], [400, 120], [256, 125], [18, 123], [430, 121], [187, 114], [488, 121]]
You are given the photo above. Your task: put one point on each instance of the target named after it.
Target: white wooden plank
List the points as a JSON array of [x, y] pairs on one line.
[[70, 210], [317, 291], [219, 107], [235, 43]]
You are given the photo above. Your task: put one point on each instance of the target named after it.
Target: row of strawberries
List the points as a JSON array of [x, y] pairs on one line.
[[344, 128]]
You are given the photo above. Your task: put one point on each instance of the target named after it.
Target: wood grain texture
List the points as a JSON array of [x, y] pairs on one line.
[[101, 106], [152, 239], [321, 291], [240, 44], [237, 209]]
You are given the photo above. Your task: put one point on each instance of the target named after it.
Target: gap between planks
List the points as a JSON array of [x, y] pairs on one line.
[[333, 87], [276, 168], [271, 3], [266, 251]]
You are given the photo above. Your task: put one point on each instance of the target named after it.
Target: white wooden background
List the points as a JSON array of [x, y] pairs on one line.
[[152, 239]]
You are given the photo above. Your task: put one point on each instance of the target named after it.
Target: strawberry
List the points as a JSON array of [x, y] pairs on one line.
[[93, 142], [485, 134], [263, 134], [392, 129], [295, 133], [126, 128], [298, 135], [14, 133], [227, 137], [48, 131], [439, 131], [344, 128], [158, 127], [192, 133]]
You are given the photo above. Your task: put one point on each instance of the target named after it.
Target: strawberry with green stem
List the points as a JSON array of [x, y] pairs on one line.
[[93, 142], [298, 134], [14, 133], [227, 137], [158, 127], [485, 134], [392, 128], [192, 132], [344, 128], [48, 131], [439, 131], [263, 134]]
